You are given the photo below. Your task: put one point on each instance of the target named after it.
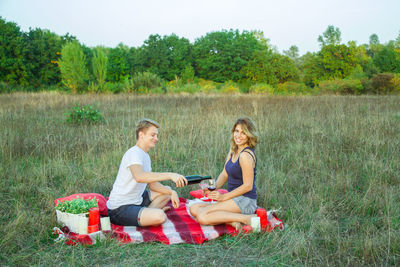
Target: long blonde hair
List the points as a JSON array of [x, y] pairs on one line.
[[249, 128]]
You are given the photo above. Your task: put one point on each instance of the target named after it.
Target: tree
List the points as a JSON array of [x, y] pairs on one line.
[[219, 56], [43, 50], [271, 68], [73, 68], [99, 65], [12, 51], [373, 40], [331, 62], [292, 52], [119, 66], [332, 36], [387, 60], [165, 56]]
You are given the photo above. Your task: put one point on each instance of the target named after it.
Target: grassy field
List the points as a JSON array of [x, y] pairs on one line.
[[332, 163]]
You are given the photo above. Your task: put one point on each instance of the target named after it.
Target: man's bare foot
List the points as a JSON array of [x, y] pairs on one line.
[[166, 208]]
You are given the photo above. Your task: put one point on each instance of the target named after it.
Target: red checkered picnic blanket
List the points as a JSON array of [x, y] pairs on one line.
[[180, 227]]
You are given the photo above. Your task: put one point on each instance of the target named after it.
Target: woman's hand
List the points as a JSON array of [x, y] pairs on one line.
[[215, 195], [174, 199]]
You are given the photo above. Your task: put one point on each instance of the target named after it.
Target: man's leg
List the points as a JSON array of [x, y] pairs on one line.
[[152, 216], [158, 200]]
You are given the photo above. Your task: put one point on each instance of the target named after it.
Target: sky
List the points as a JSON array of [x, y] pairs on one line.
[[131, 22]]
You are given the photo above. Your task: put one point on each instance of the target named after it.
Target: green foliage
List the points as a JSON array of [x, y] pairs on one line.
[[119, 63], [86, 114], [330, 63], [387, 59], [43, 53], [143, 82], [77, 205], [262, 88], [292, 88], [115, 88], [165, 56], [271, 68], [347, 86], [384, 83], [219, 56], [73, 68], [12, 51], [188, 74], [230, 87], [99, 66], [332, 36]]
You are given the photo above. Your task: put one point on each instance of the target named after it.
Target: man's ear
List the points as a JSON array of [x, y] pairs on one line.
[[140, 134]]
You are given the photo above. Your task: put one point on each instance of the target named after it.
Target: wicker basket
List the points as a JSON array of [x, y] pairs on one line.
[[70, 220]]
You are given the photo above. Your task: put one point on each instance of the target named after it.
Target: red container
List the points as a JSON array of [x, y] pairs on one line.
[[93, 228], [94, 216], [262, 213]]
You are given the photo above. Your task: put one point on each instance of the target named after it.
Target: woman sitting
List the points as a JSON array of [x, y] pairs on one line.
[[240, 203]]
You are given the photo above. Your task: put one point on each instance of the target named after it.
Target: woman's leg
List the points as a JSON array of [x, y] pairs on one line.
[[222, 212], [194, 209]]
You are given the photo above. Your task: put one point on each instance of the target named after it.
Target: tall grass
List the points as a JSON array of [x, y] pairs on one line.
[[332, 163]]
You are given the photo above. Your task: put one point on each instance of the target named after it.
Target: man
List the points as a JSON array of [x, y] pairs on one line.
[[130, 203]]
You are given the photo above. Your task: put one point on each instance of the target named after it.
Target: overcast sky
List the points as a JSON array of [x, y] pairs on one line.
[[284, 22]]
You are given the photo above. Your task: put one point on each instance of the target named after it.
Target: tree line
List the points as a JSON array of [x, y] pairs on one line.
[[226, 60]]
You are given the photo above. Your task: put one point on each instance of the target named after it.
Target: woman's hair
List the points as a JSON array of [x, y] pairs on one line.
[[144, 124], [249, 128]]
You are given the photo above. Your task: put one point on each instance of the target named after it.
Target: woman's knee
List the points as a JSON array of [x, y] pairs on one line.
[[193, 210], [202, 218]]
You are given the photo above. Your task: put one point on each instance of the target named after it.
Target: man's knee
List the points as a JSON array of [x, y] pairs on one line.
[[159, 217]]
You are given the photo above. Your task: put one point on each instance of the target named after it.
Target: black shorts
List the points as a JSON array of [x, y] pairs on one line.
[[129, 215]]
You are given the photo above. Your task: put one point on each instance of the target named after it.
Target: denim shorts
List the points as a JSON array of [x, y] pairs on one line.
[[246, 205], [129, 215]]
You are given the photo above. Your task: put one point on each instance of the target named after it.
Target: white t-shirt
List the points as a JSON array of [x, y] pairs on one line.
[[125, 189]]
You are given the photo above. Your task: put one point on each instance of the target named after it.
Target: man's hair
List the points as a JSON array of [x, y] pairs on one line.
[[144, 124]]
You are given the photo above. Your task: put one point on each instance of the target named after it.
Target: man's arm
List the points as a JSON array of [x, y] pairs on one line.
[[149, 177]]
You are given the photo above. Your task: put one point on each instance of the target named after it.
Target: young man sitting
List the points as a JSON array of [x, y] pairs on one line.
[[130, 202]]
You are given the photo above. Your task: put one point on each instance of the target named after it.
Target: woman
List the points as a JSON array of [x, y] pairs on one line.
[[240, 203]]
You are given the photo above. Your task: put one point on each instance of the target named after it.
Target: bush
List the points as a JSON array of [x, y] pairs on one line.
[[114, 88], [207, 86], [142, 81], [396, 83], [230, 87], [262, 88], [382, 83], [350, 86], [86, 114], [292, 88]]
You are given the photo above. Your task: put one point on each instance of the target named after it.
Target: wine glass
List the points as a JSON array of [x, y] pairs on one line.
[[203, 186], [211, 187]]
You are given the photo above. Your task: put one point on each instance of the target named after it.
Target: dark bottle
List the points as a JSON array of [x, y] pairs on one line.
[[195, 179]]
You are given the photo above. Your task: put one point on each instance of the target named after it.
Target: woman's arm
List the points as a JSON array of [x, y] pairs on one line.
[[247, 164]]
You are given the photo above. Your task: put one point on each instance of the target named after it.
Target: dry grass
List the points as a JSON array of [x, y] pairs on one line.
[[332, 163]]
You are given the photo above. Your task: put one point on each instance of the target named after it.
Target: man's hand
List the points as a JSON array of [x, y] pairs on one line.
[[174, 199], [178, 179]]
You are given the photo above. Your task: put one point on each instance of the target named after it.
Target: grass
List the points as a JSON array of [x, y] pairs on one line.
[[332, 163]]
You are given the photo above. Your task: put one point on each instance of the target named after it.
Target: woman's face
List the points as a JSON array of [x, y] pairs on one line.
[[239, 136]]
